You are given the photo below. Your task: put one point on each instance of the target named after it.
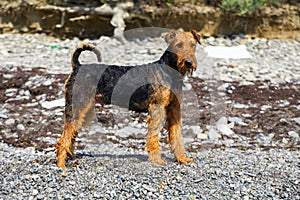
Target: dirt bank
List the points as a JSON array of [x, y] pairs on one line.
[[69, 20]]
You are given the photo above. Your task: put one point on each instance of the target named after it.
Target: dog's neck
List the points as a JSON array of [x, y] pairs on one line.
[[169, 58]]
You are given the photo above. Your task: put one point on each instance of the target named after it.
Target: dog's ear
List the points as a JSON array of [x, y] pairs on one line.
[[196, 36], [169, 37]]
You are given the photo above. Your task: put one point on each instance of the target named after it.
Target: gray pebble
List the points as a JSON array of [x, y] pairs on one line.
[[213, 134]]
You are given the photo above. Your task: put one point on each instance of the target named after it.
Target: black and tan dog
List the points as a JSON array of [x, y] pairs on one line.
[[154, 88]]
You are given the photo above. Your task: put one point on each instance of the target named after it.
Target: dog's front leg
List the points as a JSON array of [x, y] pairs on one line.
[[174, 128], [154, 120]]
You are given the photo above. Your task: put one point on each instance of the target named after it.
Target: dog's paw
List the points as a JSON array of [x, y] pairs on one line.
[[61, 164], [184, 159], [156, 159], [158, 162]]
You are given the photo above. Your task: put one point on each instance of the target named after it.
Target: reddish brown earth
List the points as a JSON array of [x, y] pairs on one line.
[[277, 120]]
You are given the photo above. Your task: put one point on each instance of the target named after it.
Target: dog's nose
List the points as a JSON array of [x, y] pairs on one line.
[[188, 63]]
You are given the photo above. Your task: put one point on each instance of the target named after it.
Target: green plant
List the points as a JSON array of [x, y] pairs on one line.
[[242, 7]]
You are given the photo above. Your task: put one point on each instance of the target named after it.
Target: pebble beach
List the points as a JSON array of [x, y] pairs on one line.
[[236, 170]]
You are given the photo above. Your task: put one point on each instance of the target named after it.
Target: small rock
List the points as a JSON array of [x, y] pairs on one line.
[[3, 116], [213, 134], [247, 115], [246, 198], [293, 134], [188, 140], [222, 121], [29, 150], [237, 120], [202, 136], [186, 86], [228, 142], [20, 127], [297, 120], [283, 103], [96, 195], [143, 51], [210, 40], [28, 83], [40, 196], [54, 103], [285, 141], [35, 192], [153, 51], [127, 131], [47, 83], [225, 130], [9, 122], [149, 188], [240, 106], [11, 90], [27, 93], [196, 129], [223, 87], [72, 183], [265, 107], [9, 94]]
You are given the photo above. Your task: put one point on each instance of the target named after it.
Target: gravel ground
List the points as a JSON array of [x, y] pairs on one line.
[[243, 133], [216, 174]]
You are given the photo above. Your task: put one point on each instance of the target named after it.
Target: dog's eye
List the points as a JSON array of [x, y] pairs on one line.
[[179, 45], [193, 45]]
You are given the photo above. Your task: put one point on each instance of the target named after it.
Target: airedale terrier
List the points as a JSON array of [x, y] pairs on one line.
[[155, 88]]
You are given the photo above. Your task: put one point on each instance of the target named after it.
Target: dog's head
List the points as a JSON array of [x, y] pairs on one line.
[[183, 46]]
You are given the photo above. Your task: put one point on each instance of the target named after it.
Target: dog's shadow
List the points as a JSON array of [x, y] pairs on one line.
[[140, 157]]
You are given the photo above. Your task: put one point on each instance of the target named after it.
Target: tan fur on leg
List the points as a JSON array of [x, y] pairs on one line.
[[65, 144], [154, 120], [175, 137]]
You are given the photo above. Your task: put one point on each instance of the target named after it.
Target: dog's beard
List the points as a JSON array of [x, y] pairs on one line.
[[186, 71]]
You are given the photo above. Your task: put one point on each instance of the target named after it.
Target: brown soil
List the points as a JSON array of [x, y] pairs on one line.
[[277, 120]]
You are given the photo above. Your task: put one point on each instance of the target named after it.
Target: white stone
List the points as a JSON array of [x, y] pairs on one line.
[[293, 134], [213, 134], [222, 121], [54, 103], [3, 116], [225, 130], [47, 82], [20, 127], [196, 129], [35, 192], [236, 52], [240, 106], [9, 122], [297, 120], [186, 86], [188, 140], [202, 136], [265, 107], [237, 120], [127, 131]]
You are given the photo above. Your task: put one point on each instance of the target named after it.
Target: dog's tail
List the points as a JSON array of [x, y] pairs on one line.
[[84, 47]]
